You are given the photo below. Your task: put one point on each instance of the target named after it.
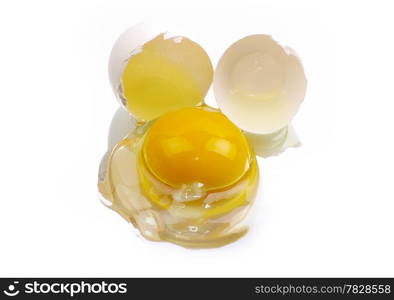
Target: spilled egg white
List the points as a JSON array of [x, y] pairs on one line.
[[259, 84]]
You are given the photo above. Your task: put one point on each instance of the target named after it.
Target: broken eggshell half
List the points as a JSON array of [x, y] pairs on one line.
[[153, 72], [259, 85]]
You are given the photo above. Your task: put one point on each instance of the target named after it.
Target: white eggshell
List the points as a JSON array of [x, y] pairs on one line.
[[175, 48], [259, 85], [129, 42]]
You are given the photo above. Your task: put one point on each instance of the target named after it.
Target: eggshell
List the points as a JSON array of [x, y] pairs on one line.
[[129, 42], [259, 84], [181, 52]]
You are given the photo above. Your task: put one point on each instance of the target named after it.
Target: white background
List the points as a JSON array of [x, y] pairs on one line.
[[325, 209]]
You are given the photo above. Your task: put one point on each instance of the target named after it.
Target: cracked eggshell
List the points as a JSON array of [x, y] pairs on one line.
[[180, 51], [259, 85], [127, 43]]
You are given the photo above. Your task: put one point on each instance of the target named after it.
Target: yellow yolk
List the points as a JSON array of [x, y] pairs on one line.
[[196, 145]]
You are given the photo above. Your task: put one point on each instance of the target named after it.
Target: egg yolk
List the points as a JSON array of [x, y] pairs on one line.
[[196, 145]]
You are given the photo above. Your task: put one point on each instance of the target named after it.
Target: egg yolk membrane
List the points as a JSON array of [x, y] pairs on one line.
[[196, 146]]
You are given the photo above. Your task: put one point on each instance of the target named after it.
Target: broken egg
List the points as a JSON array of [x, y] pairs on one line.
[[191, 185], [177, 169]]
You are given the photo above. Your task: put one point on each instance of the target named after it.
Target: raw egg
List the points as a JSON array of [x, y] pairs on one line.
[[189, 177], [177, 169]]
